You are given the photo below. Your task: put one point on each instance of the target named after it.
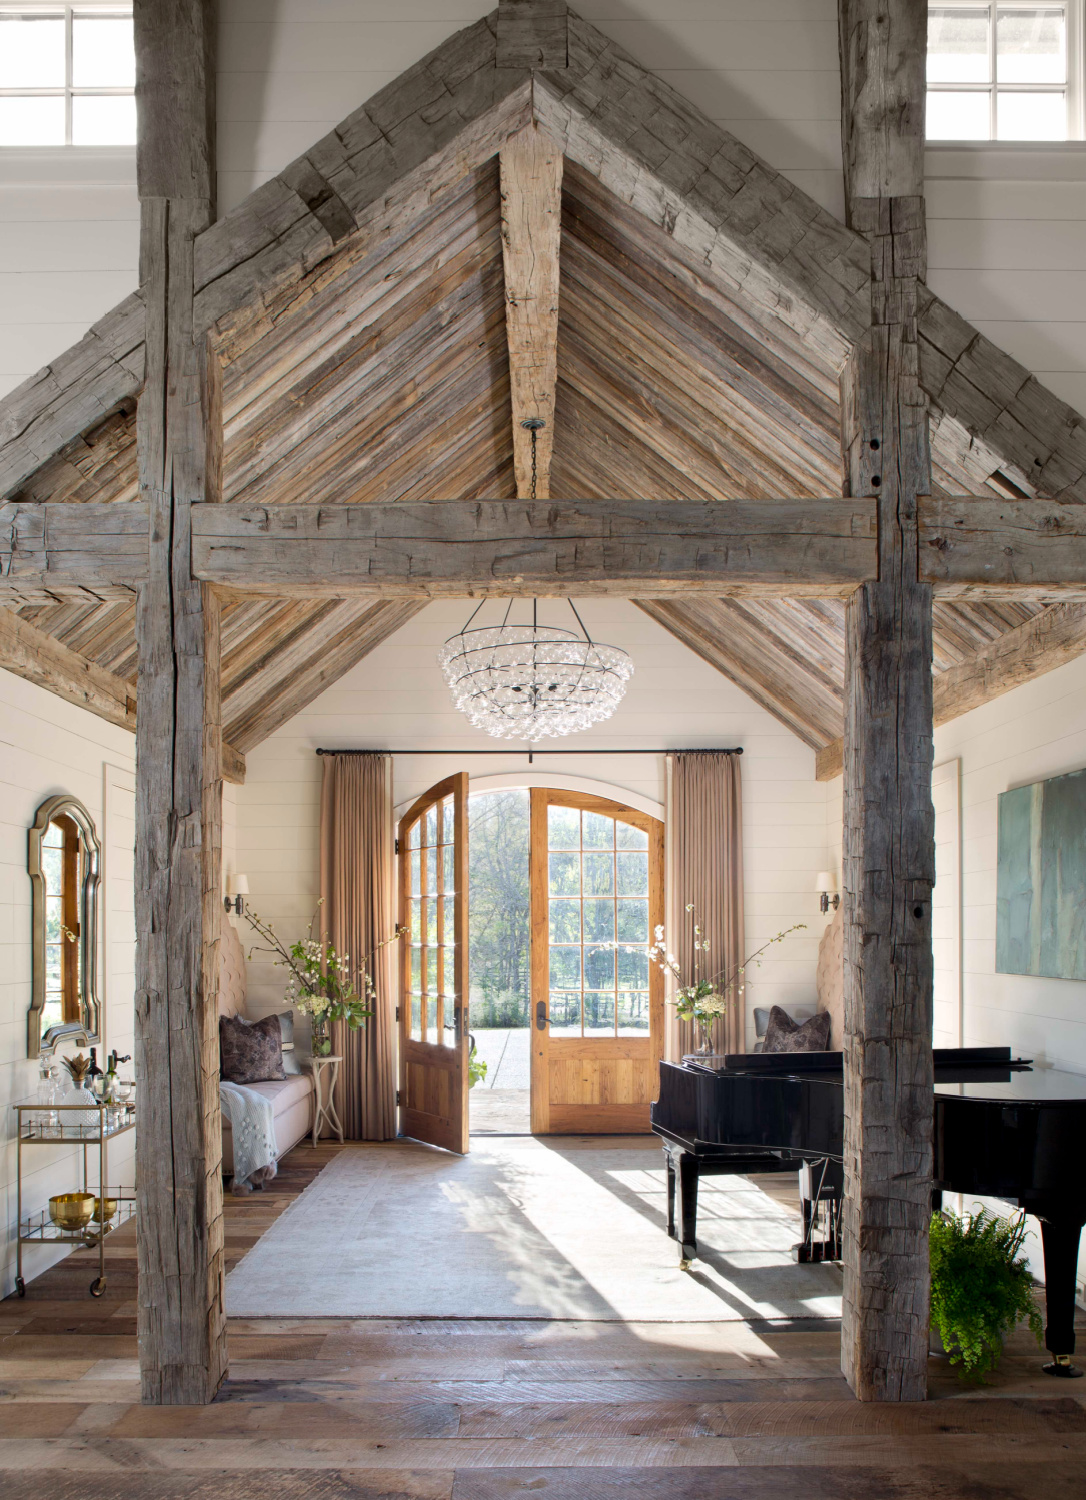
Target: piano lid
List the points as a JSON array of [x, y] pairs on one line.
[[952, 1064], [1037, 1086]]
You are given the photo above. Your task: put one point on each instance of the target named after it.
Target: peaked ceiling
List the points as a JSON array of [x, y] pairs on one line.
[[380, 371]]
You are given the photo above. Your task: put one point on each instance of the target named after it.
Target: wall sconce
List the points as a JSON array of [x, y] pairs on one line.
[[238, 888], [826, 886]]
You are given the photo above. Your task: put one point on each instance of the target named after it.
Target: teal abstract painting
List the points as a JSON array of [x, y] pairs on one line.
[[1041, 880]]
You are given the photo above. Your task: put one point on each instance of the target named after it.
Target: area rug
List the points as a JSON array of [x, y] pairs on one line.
[[524, 1228]]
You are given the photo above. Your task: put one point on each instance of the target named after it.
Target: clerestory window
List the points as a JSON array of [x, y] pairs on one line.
[[1004, 72], [67, 75]]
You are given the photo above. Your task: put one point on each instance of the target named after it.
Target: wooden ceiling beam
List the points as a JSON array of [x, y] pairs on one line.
[[532, 34], [1018, 431], [531, 191], [40, 658], [526, 547], [1024, 549], [80, 389], [1049, 640], [980, 546], [426, 130], [972, 547], [90, 547], [744, 222]]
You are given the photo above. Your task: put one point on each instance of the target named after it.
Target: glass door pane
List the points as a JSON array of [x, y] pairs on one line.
[[598, 925]]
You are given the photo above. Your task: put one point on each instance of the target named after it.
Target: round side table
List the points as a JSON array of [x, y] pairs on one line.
[[324, 1112]]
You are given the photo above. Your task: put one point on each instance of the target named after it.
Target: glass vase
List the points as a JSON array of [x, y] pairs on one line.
[[322, 1036], [86, 1118], [705, 1039]]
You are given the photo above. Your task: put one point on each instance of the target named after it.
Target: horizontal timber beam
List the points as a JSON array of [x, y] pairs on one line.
[[524, 547], [1049, 640], [977, 547], [800, 548], [46, 548]]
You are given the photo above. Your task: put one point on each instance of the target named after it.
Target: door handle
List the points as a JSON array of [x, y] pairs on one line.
[[541, 1016]]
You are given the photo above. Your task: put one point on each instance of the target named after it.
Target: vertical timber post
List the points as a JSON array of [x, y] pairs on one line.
[[889, 840], [182, 1330]]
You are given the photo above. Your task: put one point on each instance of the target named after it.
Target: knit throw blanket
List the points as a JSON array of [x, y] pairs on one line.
[[251, 1122]]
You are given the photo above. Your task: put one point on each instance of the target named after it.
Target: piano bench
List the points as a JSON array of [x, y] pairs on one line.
[[685, 1168]]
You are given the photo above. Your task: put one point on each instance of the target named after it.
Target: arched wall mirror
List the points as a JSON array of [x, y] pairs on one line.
[[64, 860]]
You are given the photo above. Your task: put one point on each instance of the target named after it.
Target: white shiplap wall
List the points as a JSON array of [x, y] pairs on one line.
[[1007, 250], [69, 250], [49, 746], [396, 698], [290, 71]]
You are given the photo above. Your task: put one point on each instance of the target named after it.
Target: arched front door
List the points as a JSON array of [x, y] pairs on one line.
[[433, 844], [597, 1013]]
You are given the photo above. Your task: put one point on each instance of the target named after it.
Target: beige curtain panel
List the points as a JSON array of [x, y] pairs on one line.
[[705, 862], [356, 858]]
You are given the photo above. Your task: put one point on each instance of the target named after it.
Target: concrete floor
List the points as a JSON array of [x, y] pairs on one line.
[[501, 1103], [505, 1051]]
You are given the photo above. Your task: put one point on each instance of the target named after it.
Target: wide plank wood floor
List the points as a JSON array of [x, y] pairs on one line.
[[337, 1409]]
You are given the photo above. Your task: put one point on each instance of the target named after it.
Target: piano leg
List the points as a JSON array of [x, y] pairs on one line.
[[669, 1159], [820, 1183], [688, 1208], [1060, 1238]]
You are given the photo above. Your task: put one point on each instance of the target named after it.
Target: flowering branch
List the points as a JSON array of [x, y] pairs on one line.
[[704, 999], [321, 982]]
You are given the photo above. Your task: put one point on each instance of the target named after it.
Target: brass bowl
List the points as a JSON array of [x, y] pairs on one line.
[[104, 1209], [71, 1211]]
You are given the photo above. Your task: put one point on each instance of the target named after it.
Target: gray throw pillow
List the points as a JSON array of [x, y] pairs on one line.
[[785, 1035], [252, 1052]]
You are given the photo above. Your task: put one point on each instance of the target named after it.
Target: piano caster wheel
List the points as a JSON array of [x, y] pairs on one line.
[[1063, 1367], [684, 1265]]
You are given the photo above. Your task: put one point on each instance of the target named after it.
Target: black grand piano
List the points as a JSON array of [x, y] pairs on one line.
[[1002, 1129]]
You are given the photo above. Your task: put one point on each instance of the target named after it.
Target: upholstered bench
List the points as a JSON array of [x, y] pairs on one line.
[[293, 1098]]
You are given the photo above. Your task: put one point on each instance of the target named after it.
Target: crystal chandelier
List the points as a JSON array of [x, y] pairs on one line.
[[531, 681]]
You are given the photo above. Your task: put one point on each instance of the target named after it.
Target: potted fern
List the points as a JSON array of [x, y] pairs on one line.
[[981, 1288]]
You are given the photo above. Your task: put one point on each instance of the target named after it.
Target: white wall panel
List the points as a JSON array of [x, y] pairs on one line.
[[49, 746]]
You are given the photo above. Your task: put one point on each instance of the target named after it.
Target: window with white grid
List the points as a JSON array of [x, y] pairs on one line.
[[1004, 72], [67, 75]]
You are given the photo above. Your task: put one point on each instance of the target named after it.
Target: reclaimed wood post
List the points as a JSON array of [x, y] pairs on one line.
[[889, 842], [182, 1330]]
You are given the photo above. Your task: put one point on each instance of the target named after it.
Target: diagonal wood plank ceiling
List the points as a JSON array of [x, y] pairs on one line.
[[384, 375]]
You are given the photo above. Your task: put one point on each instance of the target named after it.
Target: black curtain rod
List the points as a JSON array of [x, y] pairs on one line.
[[688, 749]]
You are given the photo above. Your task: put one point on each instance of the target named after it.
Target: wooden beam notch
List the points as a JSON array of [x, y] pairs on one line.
[[531, 192]]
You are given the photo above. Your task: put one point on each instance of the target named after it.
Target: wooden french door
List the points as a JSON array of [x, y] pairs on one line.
[[433, 844], [597, 1017]]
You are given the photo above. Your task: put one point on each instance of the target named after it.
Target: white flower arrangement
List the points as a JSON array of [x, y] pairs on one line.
[[320, 982], [699, 999]]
